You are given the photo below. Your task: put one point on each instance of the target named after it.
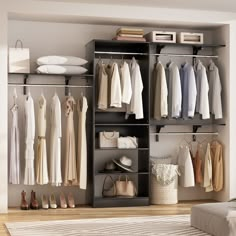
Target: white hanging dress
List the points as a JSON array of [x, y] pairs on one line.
[[14, 171], [55, 144], [29, 178], [82, 107], [41, 163]]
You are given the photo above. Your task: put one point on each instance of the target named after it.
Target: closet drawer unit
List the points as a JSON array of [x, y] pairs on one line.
[[184, 37], [161, 37]]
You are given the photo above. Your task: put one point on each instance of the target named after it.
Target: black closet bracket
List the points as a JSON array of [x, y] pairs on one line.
[[67, 80], [195, 129], [159, 48], [25, 83], [196, 49], [158, 130]]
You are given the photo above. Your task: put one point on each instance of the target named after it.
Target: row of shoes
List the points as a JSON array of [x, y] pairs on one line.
[[46, 204]]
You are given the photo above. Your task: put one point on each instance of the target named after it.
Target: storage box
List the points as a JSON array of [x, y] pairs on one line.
[[161, 37], [191, 38], [19, 59]]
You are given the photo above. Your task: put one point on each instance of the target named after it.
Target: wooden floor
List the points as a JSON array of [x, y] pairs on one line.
[[15, 215]]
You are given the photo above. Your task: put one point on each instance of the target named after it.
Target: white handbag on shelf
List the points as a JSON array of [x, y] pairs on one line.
[[108, 139], [19, 59], [127, 142]]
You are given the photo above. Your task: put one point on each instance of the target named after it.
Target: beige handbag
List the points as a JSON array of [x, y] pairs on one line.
[[125, 188], [111, 191], [108, 139]]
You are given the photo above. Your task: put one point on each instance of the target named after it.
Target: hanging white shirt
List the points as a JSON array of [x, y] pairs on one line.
[[185, 164], [160, 92], [215, 89], [174, 88], [126, 83], [115, 87], [207, 182], [202, 105], [136, 104]]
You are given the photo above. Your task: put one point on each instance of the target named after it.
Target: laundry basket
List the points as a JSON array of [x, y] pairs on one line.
[[164, 186]]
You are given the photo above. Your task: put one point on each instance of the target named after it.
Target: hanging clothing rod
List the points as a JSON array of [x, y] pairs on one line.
[[121, 53], [185, 133], [184, 55], [49, 85]]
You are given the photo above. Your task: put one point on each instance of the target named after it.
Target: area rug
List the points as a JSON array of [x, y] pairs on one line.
[[178, 225]]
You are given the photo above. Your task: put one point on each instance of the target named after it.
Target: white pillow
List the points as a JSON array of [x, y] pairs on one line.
[[61, 60], [61, 70]]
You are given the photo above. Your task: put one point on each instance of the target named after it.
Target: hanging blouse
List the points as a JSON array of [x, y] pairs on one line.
[[207, 183], [14, 162], [115, 99], [202, 105], [126, 83], [174, 90], [136, 103], [41, 162], [186, 178], [215, 89], [55, 144], [82, 108], [29, 177], [160, 92], [70, 156], [189, 90]]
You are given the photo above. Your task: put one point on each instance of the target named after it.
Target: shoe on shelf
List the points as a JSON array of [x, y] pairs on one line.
[[71, 201], [53, 201], [63, 200], [44, 202], [24, 205], [33, 201]]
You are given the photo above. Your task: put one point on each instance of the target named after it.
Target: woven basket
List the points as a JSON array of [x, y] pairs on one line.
[[164, 194]]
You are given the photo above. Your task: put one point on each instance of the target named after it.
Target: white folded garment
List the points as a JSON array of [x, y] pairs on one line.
[[64, 70], [61, 60]]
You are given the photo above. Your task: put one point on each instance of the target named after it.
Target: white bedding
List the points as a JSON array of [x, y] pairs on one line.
[[61, 60]]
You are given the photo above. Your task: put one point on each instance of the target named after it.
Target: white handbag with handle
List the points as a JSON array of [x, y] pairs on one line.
[[108, 139], [127, 142], [19, 59]]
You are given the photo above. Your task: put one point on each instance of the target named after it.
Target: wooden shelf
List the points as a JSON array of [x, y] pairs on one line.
[[123, 173], [115, 124], [122, 149]]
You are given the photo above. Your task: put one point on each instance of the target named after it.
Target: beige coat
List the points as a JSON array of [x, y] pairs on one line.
[[103, 88], [207, 182], [41, 161], [160, 92], [70, 156], [217, 161], [82, 107]]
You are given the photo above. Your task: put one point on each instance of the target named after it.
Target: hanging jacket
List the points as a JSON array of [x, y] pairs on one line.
[[202, 105], [207, 183], [126, 86], [103, 88], [174, 90], [215, 89], [136, 104], [160, 92], [189, 90], [218, 171]]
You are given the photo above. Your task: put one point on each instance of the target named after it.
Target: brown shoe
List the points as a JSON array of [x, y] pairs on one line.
[[33, 201], [24, 205]]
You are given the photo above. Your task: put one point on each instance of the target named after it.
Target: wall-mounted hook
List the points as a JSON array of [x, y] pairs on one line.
[[26, 76], [195, 128], [67, 80]]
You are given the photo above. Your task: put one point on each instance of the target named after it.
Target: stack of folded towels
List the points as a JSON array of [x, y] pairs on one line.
[[64, 65], [130, 34]]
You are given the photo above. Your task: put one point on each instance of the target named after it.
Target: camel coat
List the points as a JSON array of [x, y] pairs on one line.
[[41, 163], [82, 108], [70, 156], [55, 142], [14, 171], [29, 178]]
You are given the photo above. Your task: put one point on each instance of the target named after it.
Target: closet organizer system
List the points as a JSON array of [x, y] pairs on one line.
[[113, 119]]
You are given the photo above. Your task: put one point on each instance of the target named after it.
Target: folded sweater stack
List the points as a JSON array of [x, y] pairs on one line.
[[130, 34], [64, 65]]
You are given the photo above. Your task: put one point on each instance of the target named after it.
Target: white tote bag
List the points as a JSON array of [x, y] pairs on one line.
[[19, 59]]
